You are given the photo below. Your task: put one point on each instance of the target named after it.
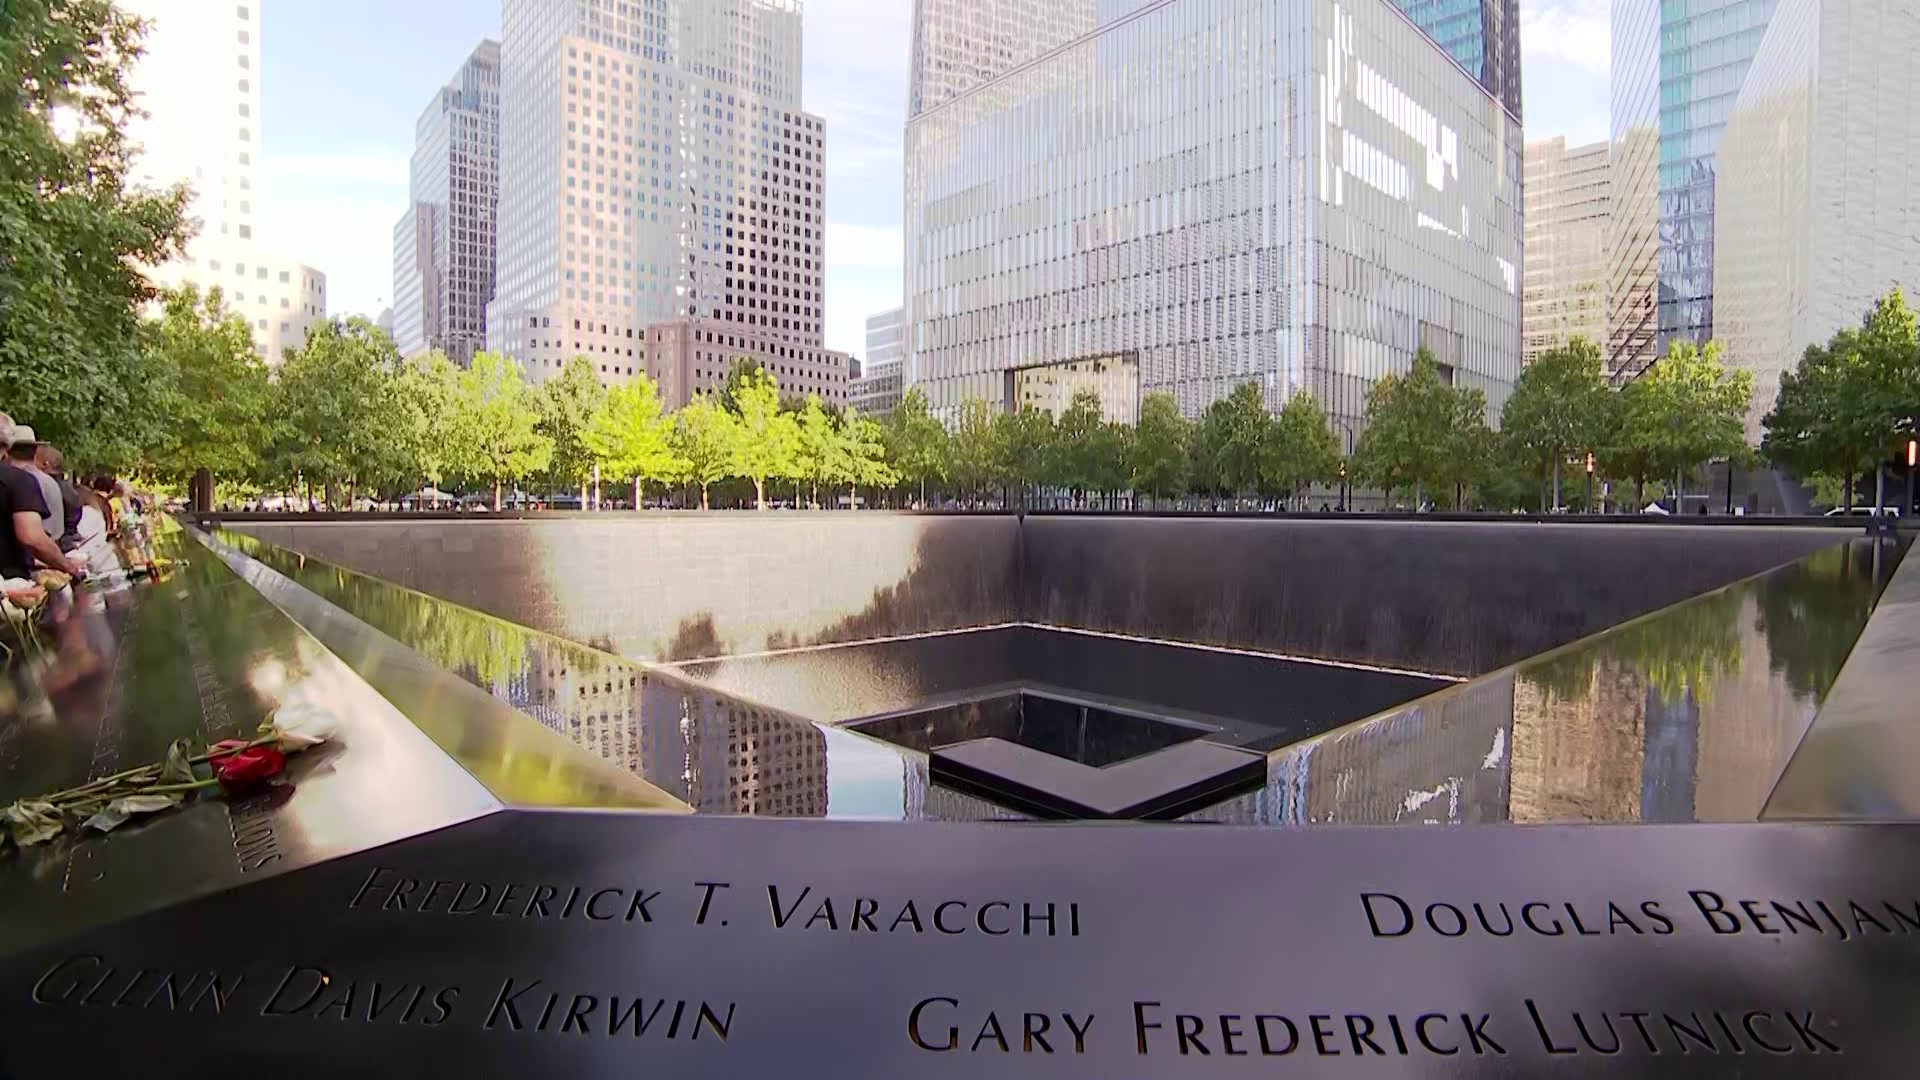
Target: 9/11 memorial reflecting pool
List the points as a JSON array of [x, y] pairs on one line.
[[878, 705], [564, 820]]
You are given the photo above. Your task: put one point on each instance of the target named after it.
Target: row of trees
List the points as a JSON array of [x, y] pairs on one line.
[[346, 415]]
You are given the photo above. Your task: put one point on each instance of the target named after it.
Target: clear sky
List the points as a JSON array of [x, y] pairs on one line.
[[344, 81]]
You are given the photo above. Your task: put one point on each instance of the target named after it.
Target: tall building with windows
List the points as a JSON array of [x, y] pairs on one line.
[[878, 390], [1815, 193], [444, 243], [198, 82], [1633, 247], [655, 166], [1299, 195], [1567, 224], [960, 44], [1484, 35], [1678, 65]]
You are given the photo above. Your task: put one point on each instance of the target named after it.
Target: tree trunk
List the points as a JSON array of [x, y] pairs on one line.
[[583, 493], [923, 493], [496, 494], [1556, 483], [703, 495], [1419, 497], [636, 493], [759, 493], [1879, 486], [1847, 493]]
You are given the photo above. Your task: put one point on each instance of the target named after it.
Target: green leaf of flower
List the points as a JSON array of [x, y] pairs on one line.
[[121, 810]]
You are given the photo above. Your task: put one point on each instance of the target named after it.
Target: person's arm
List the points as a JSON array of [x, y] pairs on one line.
[[27, 529]]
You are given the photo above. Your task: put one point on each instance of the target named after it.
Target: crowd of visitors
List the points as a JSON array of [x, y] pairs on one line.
[[54, 534]]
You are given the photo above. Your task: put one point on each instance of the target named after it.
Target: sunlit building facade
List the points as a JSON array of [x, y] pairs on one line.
[[198, 82], [1483, 35], [960, 44], [1816, 190], [1678, 65], [444, 243], [1567, 223], [1297, 195], [655, 165], [881, 384]]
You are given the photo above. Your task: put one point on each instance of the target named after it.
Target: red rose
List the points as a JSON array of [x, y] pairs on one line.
[[246, 770]]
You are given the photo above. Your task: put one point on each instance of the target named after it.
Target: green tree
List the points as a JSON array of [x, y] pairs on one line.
[[821, 456], [866, 453], [972, 448], [1413, 422], [336, 405], [1075, 463], [1848, 405], [1300, 449], [1112, 458], [704, 434], [569, 405], [916, 442], [1694, 409], [210, 381], [74, 235], [1232, 433], [1468, 449], [1559, 409], [1022, 443], [765, 440], [496, 427], [633, 437], [1162, 444], [426, 389]]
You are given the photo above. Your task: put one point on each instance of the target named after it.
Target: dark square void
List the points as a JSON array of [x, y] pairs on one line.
[[1079, 731]]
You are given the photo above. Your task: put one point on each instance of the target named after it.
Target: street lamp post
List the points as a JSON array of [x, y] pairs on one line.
[[1589, 482], [1913, 458], [1345, 489]]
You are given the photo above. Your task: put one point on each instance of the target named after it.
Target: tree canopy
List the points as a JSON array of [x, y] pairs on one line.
[[75, 235]]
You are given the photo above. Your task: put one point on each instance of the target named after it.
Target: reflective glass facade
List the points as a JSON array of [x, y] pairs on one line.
[[1484, 35], [1294, 194], [1705, 47], [1815, 197], [1633, 277]]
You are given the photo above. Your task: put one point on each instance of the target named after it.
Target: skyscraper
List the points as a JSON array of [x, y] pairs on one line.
[[199, 83], [1633, 249], [444, 243], [1484, 35], [960, 44], [1815, 194], [1206, 193], [1677, 67], [656, 168], [878, 390], [1567, 224]]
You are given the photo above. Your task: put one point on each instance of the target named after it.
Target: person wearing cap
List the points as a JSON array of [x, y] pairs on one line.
[[29, 510]]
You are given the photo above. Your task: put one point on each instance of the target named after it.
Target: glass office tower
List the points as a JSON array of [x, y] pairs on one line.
[[1215, 192], [1633, 316], [1484, 35], [1685, 60]]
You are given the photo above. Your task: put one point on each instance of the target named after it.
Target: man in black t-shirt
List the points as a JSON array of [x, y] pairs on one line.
[[25, 521], [13, 557]]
